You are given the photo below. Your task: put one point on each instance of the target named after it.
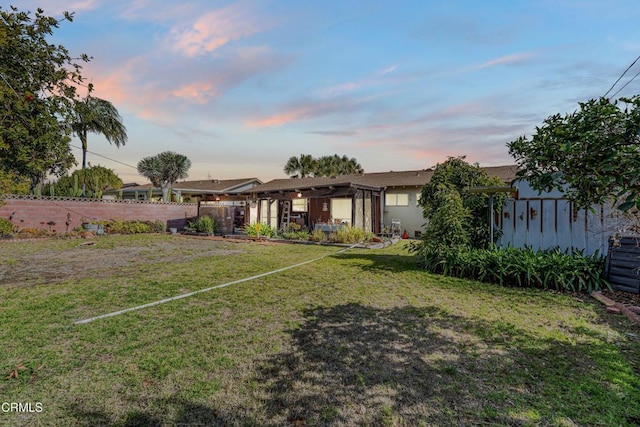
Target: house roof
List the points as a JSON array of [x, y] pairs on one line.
[[295, 184], [375, 180], [210, 186]]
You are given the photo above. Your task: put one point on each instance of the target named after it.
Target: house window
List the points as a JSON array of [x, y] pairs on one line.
[[273, 218], [299, 205], [400, 199], [341, 211], [418, 199]]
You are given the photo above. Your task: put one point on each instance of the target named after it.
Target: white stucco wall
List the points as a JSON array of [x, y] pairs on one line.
[[410, 215]]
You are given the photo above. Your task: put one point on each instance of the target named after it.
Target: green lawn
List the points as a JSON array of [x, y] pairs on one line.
[[358, 338]]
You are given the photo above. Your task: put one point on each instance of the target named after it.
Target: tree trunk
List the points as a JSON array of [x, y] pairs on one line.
[[83, 140], [165, 192]]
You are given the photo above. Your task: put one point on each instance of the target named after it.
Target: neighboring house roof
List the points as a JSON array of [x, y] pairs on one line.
[[218, 185], [374, 180], [208, 186]]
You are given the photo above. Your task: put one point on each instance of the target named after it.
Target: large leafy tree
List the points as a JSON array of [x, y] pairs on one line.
[[12, 184], [300, 167], [451, 181], [37, 92], [164, 170], [593, 154], [97, 115]]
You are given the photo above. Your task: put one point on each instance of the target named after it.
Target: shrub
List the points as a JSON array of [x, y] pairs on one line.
[[6, 227], [317, 236], [294, 232], [115, 226], [296, 235], [259, 229], [203, 224], [546, 269], [29, 232], [159, 226], [348, 234]]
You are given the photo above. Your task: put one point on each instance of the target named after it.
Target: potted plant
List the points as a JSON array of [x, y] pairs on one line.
[[92, 226]]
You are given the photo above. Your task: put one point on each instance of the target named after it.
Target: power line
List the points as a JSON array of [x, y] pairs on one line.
[[105, 157], [626, 84], [621, 76]]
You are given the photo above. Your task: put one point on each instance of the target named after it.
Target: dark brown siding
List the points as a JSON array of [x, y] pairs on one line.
[[316, 214]]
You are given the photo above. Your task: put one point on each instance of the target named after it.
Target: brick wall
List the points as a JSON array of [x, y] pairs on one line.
[[36, 212]]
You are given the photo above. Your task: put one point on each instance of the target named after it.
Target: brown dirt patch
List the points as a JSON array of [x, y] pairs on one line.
[[26, 267]]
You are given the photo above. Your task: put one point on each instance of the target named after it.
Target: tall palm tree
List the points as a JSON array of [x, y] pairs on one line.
[[300, 167], [349, 166], [164, 170], [336, 165], [327, 166], [97, 115]]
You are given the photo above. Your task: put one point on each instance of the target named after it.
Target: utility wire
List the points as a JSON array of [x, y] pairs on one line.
[[621, 76], [626, 84], [105, 157]]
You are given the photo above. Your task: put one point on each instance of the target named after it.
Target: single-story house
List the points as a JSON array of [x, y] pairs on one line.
[[377, 202], [319, 201]]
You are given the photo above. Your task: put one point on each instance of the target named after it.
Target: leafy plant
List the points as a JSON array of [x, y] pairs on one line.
[[318, 236], [519, 267], [294, 232], [296, 235], [203, 224], [471, 215], [259, 229], [6, 227]]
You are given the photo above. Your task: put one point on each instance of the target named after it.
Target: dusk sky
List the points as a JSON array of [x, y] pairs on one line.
[[240, 86]]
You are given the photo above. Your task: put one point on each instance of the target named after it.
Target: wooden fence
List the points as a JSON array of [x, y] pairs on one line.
[[548, 220]]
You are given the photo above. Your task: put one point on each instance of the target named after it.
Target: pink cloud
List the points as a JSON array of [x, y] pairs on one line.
[[298, 113], [199, 92], [213, 30], [120, 86], [280, 118]]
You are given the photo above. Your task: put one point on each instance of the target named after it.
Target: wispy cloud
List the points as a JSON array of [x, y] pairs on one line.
[[293, 114], [215, 29], [83, 5], [374, 79], [198, 92], [516, 58], [310, 109], [332, 132], [389, 70]]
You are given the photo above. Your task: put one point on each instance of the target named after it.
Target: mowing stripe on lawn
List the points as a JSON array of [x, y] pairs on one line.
[[235, 282]]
